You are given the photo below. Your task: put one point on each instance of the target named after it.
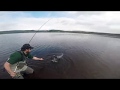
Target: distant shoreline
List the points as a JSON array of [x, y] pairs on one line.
[[33, 31]]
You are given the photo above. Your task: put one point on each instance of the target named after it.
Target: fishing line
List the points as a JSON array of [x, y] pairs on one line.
[[38, 30]]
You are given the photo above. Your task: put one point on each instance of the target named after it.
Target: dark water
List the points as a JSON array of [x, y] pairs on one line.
[[86, 56]]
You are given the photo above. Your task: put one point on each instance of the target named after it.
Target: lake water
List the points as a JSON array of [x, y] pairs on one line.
[[85, 56]]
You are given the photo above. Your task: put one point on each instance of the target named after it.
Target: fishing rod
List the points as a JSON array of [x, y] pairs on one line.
[[53, 56], [39, 29]]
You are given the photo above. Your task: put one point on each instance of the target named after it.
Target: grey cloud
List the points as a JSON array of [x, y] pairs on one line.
[[89, 13], [64, 22], [85, 13], [83, 23], [7, 26], [98, 21]]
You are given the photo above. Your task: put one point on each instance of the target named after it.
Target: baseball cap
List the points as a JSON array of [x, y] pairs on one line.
[[27, 46]]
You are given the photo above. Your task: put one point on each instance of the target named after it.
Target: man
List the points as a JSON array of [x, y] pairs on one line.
[[16, 64]]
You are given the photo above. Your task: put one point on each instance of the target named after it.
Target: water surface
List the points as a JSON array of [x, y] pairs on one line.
[[86, 56]]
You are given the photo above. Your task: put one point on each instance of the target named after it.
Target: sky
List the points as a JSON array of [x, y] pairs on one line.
[[93, 21]]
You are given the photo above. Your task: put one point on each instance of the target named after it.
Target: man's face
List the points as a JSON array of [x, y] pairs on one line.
[[28, 50]]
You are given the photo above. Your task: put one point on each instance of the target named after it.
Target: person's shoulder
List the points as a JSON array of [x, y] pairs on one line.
[[16, 53]]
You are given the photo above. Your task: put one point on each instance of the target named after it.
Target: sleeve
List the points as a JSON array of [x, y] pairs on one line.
[[30, 56], [13, 59]]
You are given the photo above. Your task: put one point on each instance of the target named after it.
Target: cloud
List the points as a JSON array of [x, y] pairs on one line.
[[98, 21]]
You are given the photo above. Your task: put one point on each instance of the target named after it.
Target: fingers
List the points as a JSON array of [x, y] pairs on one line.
[[42, 59]]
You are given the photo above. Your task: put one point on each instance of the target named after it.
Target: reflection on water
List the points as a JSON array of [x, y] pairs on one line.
[[86, 56]]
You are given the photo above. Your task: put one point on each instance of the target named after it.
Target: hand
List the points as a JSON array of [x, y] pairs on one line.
[[41, 59], [13, 74]]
